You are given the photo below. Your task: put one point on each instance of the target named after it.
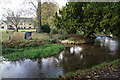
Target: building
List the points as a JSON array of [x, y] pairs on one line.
[[23, 23], [3, 25]]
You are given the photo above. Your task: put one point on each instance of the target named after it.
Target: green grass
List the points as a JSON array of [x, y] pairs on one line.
[[27, 30], [5, 36], [5, 30], [41, 36], [24, 30], [35, 52], [21, 34]]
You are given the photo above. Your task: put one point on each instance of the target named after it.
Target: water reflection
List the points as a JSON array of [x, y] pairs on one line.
[[0, 68], [69, 60], [109, 44], [75, 49], [19, 69], [81, 56], [51, 65], [31, 69], [61, 55], [113, 45]]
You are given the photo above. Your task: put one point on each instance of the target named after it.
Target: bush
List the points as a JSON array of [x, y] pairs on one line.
[[62, 37], [54, 31], [71, 31], [21, 44], [72, 39], [45, 28]]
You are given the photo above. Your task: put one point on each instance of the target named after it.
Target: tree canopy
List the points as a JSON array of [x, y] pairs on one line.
[[90, 18], [48, 9]]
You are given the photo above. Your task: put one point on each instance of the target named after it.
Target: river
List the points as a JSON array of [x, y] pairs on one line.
[[71, 59]]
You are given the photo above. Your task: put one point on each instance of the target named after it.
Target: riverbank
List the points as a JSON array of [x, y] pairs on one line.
[[101, 71], [76, 39], [42, 45], [34, 52]]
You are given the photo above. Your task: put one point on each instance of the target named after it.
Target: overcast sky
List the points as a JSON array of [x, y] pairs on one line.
[[18, 4]]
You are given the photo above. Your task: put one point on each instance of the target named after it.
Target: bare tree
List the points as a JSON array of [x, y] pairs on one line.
[[13, 18], [37, 9]]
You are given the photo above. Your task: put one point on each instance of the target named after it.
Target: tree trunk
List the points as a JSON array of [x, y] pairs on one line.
[[39, 17], [84, 33], [16, 29]]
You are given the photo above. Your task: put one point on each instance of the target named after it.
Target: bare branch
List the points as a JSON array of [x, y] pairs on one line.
[[33, 5], [12, 18]]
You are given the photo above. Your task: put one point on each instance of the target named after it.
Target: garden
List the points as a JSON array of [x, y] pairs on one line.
[[79, 41]]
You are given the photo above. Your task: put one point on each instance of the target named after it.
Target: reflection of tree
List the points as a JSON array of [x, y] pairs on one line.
[[70, 62], [13, 18], [49, 66], [92, 55], [39, 61], [110, 45], [118, 51]]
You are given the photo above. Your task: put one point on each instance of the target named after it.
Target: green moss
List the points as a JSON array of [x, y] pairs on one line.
[[35, 52]]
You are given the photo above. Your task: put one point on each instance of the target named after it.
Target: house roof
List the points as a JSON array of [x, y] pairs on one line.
[[21, 19], [2, 22]]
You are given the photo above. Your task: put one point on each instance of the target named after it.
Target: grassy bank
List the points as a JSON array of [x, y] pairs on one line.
[[35, 52], [94, 72]]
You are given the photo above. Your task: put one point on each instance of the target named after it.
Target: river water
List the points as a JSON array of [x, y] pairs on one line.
[[71, 59]]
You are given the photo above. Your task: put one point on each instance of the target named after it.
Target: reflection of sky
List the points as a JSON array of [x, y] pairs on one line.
[[75, 49], [48, 67], [19, 69], [111, 44], [51, 66], [71, 50], [61, 55], [81, 56]]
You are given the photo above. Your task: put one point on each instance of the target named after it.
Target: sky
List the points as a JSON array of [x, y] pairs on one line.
[[15, 5]]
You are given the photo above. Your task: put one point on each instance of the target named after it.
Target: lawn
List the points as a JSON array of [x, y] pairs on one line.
[[14, 35], [25, 30], [21, 35]]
